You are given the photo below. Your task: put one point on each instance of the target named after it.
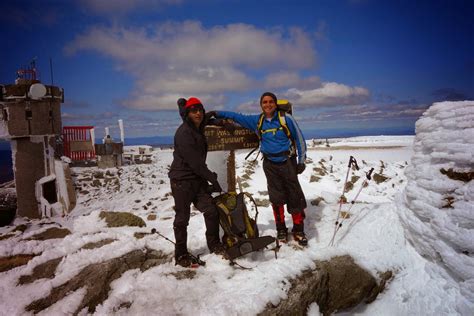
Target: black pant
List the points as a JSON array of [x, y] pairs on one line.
[[185, 193], [283, 185]]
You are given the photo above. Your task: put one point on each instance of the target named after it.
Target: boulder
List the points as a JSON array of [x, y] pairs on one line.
[[119, 219], [335, 285]]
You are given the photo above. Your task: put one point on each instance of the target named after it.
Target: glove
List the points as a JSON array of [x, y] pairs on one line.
[[215, 187], [211, 114], [300, 168]]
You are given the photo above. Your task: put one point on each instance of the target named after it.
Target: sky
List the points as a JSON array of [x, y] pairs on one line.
[[345, 65]]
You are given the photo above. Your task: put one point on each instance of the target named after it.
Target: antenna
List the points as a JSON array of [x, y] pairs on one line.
[[51, 70]]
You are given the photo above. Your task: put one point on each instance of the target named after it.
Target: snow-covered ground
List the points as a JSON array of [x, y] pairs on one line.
[[374, 235]]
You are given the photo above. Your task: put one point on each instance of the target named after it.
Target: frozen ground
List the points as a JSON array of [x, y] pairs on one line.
[[373, 235]]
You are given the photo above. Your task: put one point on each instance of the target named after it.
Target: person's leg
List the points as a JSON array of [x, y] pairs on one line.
[[277, 195], [205, 204], [279, 214], [182, 194], [296, 203]]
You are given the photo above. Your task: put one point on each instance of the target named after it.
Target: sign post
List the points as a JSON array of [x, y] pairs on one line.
[[220, 139]]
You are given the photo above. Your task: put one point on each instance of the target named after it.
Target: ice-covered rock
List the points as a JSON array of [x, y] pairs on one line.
[[438, 210]]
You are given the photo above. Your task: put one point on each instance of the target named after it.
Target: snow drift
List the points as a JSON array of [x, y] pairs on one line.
[[438, 208]]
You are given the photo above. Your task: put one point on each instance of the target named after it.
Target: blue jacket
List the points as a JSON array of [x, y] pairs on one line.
[[272, 143]]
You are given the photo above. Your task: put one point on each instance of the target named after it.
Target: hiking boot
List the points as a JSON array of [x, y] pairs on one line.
[[282, 235], [187, 261], [300, 237]]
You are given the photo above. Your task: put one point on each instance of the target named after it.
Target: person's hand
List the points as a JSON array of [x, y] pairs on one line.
[[300, 168], [211, 114], [229, 126], [215, 187]]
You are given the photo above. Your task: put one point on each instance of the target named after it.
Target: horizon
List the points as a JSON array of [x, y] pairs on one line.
[[345, 65]]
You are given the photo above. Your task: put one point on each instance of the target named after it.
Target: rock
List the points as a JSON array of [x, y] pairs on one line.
[[185, 274], [316, 201], [263, 202], [140, 235], [119, 219], [8, 263], [51, 233], [151, 217], [314, 178], [96, 279], [98, 244], [20, 228], [335, 285], [458, 175], [42, 271], [379, 178], [7, 206], [7, 236]]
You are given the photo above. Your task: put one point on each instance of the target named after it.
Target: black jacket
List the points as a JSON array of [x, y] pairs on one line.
[[190, 152]]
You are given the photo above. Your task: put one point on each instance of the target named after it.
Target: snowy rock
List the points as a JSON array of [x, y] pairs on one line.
[[335, 285], [119, 219], [96, 279], [8, 263], [438, 210], [51, 233]]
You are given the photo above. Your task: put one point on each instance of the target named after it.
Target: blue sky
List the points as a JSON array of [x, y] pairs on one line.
[[345, 65]]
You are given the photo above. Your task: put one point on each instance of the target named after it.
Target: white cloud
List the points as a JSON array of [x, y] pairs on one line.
[[181, 59], [324, 94], [329, 94]]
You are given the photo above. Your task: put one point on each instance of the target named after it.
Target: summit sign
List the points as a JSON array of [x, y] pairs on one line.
[[218, 138]]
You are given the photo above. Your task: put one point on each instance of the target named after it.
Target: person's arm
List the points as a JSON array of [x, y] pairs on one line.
[[248, 121], [188, 152], [298, 137]]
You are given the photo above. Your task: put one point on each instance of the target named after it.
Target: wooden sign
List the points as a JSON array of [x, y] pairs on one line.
[[218, 138]]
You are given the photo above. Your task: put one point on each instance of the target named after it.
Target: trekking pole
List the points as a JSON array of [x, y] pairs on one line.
[[364, 184], [352, 160], [198, 260]]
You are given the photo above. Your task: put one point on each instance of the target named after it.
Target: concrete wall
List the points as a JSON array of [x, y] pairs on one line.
[[29, 160]]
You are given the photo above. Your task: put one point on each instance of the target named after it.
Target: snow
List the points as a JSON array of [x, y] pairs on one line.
[[397, 225], [441, 232]]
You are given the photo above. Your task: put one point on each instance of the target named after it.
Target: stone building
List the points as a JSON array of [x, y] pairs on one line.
[[30, 118]]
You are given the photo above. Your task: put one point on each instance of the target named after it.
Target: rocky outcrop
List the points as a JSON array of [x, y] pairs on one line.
[[8, 263], [51, 233], [119, 219], [96, 279], [42, 271], [335, 285]]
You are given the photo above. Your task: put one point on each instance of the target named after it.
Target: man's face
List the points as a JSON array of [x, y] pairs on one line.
[[196, 115], [268, 106]]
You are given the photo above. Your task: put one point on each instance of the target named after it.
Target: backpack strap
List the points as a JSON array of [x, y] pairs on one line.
[[283, 126]]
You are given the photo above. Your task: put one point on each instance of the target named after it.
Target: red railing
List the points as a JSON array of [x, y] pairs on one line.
[[73, 137]]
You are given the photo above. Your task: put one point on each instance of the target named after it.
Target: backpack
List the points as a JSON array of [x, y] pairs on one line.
[[241, 234]]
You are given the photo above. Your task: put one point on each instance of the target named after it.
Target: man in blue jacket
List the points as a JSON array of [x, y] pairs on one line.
[[280, 164]]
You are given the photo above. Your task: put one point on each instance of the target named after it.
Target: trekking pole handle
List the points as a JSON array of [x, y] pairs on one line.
[[369, 174], [154, 231], [352, 160]]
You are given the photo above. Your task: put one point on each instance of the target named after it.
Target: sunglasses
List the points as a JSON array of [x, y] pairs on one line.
[[196, 110]]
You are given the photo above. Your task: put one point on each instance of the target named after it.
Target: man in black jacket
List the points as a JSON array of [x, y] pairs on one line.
[[190, 178]]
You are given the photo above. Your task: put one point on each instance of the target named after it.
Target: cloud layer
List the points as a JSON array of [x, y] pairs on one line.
[[179, 59]]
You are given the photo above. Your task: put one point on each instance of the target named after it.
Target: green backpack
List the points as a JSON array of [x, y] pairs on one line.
[[240, 229]]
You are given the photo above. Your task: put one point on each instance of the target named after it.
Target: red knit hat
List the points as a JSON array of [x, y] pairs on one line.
[[193, 102]]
